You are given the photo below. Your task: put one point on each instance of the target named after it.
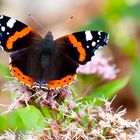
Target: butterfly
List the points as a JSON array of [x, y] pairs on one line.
[[45, 62]]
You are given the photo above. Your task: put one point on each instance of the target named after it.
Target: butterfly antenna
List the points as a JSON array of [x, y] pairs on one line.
[[37, 22], [61, 24]]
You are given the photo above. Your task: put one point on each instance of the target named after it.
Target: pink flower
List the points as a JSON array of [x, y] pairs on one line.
[[99, 65], [26, 96], [71, 104]]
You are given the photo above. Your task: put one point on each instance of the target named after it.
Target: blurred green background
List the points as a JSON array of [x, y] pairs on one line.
[[121, 19]]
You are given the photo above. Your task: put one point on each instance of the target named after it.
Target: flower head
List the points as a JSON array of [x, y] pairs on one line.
[[99, 65], [26, 96], [84, 122]]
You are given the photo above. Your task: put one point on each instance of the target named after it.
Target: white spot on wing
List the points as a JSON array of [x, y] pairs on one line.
[[88, 35], [10, 60], [11, 22], [87, 46], [107, 38], [99, 33], [100, 47], [2, 28], [1, 16], [16, 78], [7, 33], [35, 86], [93, 43], [1, 47]]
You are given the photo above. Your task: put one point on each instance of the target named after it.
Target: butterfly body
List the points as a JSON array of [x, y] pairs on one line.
[[45, 62]]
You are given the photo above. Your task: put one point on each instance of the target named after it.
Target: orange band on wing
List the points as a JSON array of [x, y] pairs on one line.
[[20, 76], [79, 47], [17, 35], [62, 82], [30, 82]]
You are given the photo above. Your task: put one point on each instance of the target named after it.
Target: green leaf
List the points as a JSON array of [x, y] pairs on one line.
[[95, 101], [3, 123], [110, 89], [86, 100], [31, 118], [107, 91], [46, 112], [14, 121]]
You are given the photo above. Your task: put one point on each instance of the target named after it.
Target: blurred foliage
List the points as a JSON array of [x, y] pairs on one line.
[[4, 70], [22, 119], [98, 23], [108, 90], [136, 78], [31, 115]]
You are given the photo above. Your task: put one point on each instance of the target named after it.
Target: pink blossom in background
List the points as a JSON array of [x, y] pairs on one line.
[[99, 65]]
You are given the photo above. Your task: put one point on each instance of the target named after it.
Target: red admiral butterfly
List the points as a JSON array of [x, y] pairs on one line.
[[44, 62]]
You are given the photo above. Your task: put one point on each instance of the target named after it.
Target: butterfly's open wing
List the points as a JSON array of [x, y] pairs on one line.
[[15, 35], [19, 39], [75, 49], [81, 46]]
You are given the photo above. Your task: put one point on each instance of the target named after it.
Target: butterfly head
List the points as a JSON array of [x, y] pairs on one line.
[[47, 45], [49, 36]]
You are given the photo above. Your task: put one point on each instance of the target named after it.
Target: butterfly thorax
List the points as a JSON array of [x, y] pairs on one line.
[[46, 50], [47, 44]]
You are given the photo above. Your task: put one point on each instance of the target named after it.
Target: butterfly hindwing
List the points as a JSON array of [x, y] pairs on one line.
[[81, 46]]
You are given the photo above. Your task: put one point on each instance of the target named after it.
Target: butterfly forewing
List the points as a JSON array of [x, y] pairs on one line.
[[15, 35], [81, 46]]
